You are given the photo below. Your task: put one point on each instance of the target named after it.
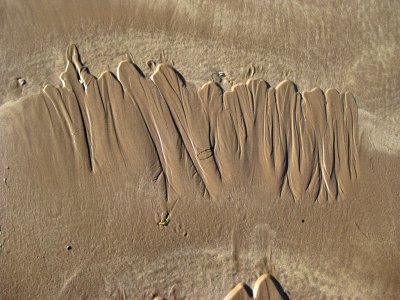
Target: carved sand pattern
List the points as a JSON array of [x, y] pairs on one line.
[[208, 140]]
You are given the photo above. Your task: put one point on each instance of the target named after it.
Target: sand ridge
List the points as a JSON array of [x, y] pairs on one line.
[[111, 190], [187, 141], [208, 140], [111, 167], [275, 140]]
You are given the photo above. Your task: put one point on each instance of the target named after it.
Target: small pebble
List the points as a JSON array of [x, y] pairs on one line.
[[21, 81]]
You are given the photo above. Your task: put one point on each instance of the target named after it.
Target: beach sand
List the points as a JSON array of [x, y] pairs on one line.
[[199, 150]]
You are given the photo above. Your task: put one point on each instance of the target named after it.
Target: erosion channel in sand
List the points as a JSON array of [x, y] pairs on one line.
[[147, 184]]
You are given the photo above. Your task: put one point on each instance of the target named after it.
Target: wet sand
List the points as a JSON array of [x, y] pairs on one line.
[[190, 180]]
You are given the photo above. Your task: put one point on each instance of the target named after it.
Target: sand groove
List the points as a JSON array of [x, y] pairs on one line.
[[205, 140]]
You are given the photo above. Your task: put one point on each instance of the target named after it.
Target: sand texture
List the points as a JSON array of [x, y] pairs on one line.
[[190, 148], [206, 141]]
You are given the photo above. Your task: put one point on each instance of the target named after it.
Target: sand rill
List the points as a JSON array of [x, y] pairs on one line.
[[124, 178], [115, 200], [204, 140]]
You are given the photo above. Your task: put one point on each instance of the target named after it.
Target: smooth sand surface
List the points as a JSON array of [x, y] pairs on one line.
[[207, 159]]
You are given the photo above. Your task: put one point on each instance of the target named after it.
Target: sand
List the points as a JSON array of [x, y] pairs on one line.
[[191, 173]]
